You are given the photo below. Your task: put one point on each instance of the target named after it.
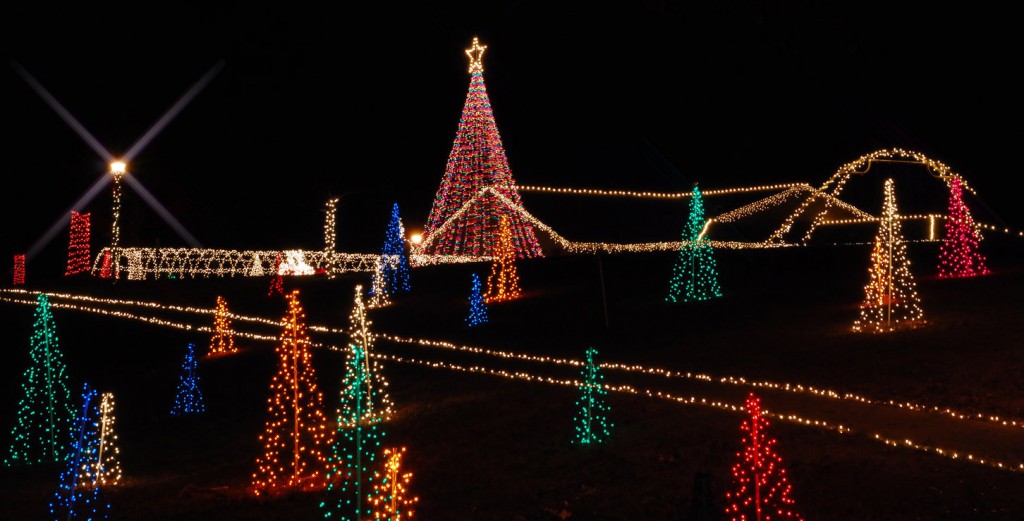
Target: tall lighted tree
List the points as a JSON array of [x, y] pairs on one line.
[[188, 399], [223, 341], [592, 424], [394, 263], [462, 222], [503, 282], [73, 501], [297, 432], [891, 299], [477, 307], [104, 468], [390, 498], [694, 276], [959, 255], [45, 414], [761, 491], [78, 244]]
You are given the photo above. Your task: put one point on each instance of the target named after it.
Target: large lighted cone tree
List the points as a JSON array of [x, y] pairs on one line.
[[223, 341], [297, 433], [503, 282], [72, 501], [694, 276], [891, 299], [760, 491], [390, 498], [592, 424], [959, 255], [462, 221], [45, 414]]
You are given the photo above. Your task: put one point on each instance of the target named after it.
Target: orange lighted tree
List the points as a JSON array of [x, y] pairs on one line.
[[223, 341], [390, 497], [503, 282], [297, 432]]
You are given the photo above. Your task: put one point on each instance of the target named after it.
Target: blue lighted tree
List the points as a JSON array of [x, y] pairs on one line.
[[45, 414], [592, 425], [477, 307], [189, 399], [694, 276], [75, 499], [394, 261]]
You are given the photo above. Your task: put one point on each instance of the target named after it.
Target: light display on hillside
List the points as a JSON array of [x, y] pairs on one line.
[[477, 160]]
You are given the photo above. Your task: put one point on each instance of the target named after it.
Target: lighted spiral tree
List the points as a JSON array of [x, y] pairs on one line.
[[592, 424], [891, 299], [761, 491], [223, 341], [78, 244], [297, 432], [104, 469], [390, 497], [394, 264], [188, 399], [45, 413], [694, 276], [959, 256], [503, 282], [477, 307], [457, 226], [72, 501]]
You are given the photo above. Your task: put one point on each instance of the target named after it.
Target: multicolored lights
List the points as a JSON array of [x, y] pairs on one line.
[[959, 256], [477, 307], [592, 424], [297, 432], [891, 299], [188, 399], [477, 160], [390, 498], [761, 490], [223, 341], [79, 256], [503, 282], [71, 501], [694, 276], [45, 414]]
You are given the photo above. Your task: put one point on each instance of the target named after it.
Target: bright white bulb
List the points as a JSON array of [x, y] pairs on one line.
[[118, 167], [416, 238]]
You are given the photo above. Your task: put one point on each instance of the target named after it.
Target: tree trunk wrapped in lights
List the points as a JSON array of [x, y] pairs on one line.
[[459, 222], [592, 424], [694, 276], [891, 299], [45, 414], [223, 341], [761, 491], [503, 282], [959, 256], [297, 433]]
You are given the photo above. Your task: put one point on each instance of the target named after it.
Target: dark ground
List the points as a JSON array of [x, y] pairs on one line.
[[482, 447]]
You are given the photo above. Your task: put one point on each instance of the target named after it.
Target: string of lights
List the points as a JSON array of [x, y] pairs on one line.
[[659, 195]]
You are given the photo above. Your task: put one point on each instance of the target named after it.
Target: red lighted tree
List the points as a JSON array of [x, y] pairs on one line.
[[78, 244], [761, 491], [297, 432], [959, 256], [463, 220], [503, 282]]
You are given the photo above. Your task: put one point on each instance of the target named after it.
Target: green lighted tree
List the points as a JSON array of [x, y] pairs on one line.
[[694, 276], [45, 414], [592, 425]]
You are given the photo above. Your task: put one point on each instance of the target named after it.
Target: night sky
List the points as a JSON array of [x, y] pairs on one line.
[[361, 100]]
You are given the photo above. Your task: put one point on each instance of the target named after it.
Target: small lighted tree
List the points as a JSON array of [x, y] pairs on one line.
[[694, 276], [959, 255], [45, 413], [592, 424], [72, 501], [223, 341], [390, 498], [761, 491], [891, 297], [477, 307], [297, 432], [503, 283], [105, 468], [394, 261], [188, 399]]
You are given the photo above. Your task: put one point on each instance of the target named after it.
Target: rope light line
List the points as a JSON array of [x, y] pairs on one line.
[[658, 195]]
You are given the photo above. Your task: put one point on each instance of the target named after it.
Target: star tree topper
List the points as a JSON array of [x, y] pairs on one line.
[[476, 56]]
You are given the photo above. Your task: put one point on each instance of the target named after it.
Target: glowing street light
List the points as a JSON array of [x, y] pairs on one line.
[[416, 238], [118, 167]]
